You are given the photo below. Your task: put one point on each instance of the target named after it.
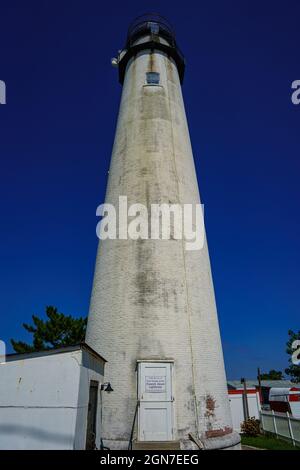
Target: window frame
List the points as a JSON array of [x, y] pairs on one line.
[[152, 81]]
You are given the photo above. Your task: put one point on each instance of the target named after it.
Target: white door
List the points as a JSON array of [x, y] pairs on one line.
[[155, 415]]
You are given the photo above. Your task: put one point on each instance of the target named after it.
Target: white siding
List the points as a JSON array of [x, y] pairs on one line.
[[40, 404], [237, 409]]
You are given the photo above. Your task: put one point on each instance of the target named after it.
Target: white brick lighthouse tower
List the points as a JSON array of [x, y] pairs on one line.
[[153, 314]]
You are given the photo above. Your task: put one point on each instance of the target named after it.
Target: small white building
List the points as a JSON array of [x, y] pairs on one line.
[[51, 399]]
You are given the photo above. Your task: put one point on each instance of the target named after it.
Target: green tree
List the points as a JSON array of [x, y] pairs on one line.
[[272, 375], [58, 330], [293, 370]]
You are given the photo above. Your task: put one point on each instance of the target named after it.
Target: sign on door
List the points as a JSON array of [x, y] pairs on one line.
[[155, 384]]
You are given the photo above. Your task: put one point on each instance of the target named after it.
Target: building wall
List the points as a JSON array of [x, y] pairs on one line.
[[151, 299], [91, 369], [237, 407], [40, 404]]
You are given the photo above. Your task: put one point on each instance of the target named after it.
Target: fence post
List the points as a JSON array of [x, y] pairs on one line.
[[274, 423], [290, 428], [262, 424]]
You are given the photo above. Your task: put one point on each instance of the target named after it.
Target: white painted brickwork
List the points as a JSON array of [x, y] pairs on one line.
[[152, 299]]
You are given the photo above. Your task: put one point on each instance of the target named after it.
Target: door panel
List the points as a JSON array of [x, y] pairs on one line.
[[156, 402], [157, 421], [92, 416]]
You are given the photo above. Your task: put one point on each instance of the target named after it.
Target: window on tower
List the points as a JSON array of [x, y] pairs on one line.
[[152, 78]]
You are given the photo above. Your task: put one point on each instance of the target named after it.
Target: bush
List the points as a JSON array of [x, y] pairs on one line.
[[251, 427]]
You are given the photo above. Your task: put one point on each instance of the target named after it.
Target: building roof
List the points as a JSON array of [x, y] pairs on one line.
[[236, 384], [64, 349]]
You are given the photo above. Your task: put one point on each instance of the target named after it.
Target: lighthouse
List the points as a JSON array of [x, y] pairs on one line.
[[152, 313]]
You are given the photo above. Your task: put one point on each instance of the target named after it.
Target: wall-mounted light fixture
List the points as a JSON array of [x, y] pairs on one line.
[[106, 387]]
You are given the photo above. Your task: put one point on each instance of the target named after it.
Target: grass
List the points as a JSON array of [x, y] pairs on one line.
[[267, 442]]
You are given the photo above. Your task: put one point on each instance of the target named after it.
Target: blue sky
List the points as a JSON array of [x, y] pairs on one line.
[[56, 134]]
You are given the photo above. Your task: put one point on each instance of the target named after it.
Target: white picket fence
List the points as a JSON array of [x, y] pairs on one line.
[[282, 425]]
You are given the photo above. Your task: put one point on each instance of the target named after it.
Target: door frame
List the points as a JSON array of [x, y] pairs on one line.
[[93, 384], [172, 387]]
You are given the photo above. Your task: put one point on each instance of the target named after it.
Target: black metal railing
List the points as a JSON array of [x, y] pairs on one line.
[[150, 23], [133, 424], [153, 26]]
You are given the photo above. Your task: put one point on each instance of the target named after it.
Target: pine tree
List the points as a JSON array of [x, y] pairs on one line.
[[58, 330], [272, 375]]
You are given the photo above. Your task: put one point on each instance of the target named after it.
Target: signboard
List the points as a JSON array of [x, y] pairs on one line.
[[155, 383]]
